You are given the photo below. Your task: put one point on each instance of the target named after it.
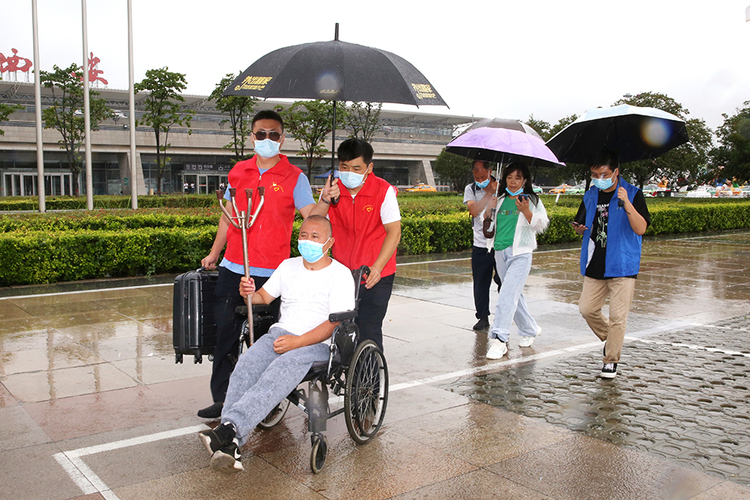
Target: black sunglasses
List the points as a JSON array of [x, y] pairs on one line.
[[262, 134]]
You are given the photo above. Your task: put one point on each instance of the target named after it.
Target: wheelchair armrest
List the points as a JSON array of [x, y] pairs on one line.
[[341, 316], [257, 309]]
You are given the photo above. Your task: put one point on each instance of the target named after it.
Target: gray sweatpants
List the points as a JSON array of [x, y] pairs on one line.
[[262, 379]]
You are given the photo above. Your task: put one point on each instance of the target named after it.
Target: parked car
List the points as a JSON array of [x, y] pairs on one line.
[[577, 189], [537, 189], [560, 189], [421, 188]]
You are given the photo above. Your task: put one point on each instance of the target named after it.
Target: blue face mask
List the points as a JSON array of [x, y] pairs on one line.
[[351, 180], [513, 193], [310, 250], [483, 184], [267, 148], [603, 184]]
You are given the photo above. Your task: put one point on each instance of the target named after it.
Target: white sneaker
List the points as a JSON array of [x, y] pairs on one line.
[[497, 349], [527, 341]]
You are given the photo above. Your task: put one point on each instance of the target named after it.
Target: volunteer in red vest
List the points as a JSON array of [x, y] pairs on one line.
[[268, 240], [366, 228]]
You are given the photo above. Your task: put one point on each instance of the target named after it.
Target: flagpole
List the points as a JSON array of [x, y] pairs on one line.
[[131, 113], [86, 112], [38, 111]]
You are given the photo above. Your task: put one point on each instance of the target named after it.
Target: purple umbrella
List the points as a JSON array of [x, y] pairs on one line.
[[503, 141]]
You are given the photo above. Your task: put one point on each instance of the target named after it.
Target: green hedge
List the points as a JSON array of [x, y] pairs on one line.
[[103, 220], [39, 257]]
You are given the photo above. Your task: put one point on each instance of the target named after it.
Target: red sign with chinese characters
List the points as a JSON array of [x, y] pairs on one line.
[[13, 64]]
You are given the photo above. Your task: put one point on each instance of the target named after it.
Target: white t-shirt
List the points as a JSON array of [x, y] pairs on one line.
[[308, 297], [471, 194]]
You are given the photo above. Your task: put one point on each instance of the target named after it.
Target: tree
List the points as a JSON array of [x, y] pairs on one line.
[[561, 124], [363, 119], [163, 111], [453, 169], [309, 122], [66, 113], [239, 109], [6, 110], [682, 164], [541, 127], [573, 171], [732, 157]]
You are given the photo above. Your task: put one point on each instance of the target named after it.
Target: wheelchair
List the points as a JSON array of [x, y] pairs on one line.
[[356, 371]]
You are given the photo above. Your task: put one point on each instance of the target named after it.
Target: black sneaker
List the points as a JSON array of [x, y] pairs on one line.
[[609, 370], [218, 437], [482, 324], [227, 459], [213, 411]]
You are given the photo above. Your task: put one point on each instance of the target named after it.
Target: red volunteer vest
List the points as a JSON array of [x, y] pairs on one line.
[[357, 228], [268, 241]]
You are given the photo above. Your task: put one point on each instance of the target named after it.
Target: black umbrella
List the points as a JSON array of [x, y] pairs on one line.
[[336, 71], [633, 132]]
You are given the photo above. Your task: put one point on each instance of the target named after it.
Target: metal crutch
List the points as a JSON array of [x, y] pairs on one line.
[[242, 222]]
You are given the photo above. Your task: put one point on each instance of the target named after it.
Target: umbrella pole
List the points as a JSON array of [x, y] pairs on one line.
[[488, 225], [333, 140]]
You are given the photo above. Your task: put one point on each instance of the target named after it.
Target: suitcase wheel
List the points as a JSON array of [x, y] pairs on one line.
[[198, 359]]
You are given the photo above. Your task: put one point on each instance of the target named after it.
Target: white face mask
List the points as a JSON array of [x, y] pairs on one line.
[[267, 148], [351, 180], [311, 251]]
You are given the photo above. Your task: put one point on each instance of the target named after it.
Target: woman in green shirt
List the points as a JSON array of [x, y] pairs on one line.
[[520, 217]]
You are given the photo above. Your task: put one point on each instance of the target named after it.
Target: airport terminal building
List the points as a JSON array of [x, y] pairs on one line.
[[406, 144]]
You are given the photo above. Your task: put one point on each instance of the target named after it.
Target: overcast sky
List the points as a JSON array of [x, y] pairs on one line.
[[499, 58]]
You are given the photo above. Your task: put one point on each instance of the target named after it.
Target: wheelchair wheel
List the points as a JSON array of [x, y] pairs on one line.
[[275, 416], [366, 392], [318, 453]]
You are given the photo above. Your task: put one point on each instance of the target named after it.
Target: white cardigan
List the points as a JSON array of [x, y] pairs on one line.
[[524, 240]]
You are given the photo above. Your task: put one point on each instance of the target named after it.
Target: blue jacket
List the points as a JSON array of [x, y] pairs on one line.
[[623, 253]]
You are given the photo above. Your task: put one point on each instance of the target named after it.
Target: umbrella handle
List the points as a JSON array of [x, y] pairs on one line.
[[335, 200], [488, 228]]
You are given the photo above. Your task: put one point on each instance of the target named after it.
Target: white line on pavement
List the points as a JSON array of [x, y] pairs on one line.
[[87, 480], [17, 297], [489, 367]]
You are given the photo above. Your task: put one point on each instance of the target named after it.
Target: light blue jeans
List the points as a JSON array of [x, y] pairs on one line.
[[262, 379], [511, 306]]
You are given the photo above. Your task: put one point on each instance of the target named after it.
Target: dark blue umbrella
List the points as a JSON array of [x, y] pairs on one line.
[[633, 132]]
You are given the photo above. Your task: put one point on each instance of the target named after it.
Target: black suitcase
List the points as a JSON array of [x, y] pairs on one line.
[[193, 323]]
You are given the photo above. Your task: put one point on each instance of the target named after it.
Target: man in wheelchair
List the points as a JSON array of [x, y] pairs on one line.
[[311, 287]]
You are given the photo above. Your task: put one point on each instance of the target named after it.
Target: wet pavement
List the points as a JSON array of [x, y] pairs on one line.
[[93, 406]]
